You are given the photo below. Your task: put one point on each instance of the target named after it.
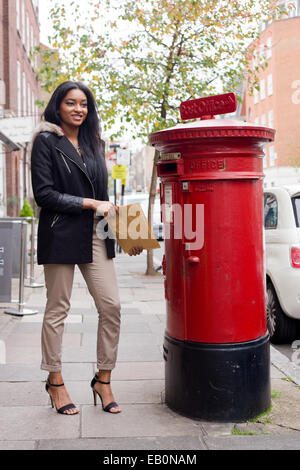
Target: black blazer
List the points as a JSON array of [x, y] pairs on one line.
[[60, 181]]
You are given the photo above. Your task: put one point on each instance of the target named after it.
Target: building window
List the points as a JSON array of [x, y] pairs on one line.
[[254, 59], [29, 110], [35, 56], [36, 3], [270, 84], [23, 20], [270, 211], [19, 89], [256, 121], [18, 14], [271, 119], [21, 181], [24, 95], [265, 164], [256, 96], [263, 120], [27, 33], [31, 39], [269, 47], [33, 107], [273, 155], [261, 51], [262, 89]]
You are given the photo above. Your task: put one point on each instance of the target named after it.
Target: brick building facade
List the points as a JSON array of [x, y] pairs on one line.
[[277, 103], [19, 34]]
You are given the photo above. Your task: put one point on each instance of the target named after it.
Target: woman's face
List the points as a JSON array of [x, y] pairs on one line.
[[74, 108]]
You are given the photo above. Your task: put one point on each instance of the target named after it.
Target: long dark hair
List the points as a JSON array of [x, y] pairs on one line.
[[89, 132]]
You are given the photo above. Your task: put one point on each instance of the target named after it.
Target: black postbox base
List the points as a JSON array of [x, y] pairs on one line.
[[218, 382]]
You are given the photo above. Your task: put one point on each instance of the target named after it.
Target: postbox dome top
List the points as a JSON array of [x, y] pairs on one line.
[[213, 128], [217, 122], [208, 126]]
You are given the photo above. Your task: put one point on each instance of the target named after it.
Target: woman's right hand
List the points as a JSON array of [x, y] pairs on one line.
[[104, 208]]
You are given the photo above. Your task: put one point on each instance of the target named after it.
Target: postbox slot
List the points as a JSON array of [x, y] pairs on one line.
[[168, 169]]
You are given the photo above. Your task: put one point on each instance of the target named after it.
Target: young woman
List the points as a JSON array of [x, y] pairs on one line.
[[69, 180]]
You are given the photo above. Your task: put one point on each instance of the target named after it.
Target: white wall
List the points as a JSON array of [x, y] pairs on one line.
[[281, 175]]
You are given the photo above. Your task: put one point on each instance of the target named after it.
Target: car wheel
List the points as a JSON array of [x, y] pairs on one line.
[[282, 329]]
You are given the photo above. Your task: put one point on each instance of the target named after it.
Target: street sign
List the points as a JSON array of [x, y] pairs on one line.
[[15, 236], [119, 172], [6, 229], [123, 157]]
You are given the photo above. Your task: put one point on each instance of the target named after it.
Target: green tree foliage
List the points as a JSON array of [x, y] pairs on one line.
[[143, 58], [26, 210]]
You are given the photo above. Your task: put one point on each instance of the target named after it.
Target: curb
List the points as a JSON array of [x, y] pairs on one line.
[[285, 365]]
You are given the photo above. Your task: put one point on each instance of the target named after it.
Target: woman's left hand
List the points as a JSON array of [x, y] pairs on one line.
[[135, 251]]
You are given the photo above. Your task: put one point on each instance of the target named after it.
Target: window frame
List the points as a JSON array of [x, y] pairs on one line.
[[297, 218], [266, 194]]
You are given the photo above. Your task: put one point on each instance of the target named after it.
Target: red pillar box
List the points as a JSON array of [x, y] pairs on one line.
[[216, 345]]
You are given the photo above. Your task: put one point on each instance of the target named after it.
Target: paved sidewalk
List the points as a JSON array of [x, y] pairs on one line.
[[28, 422]]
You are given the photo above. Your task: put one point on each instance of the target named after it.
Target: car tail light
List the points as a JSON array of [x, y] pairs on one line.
[[295, 256]]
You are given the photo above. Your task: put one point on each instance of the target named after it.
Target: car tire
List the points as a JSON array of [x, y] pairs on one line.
[[282, 329]]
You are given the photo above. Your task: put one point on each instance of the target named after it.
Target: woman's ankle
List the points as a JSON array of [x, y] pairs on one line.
[[104, 375], [55, 378]]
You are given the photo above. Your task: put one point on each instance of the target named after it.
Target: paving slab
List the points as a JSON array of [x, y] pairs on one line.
[[20, 373], [21, 340], [23, 394], [39, 317], [282, 362], [276, 373], [126, 392], [150, 307], [125, 443], [137, 421], [274, 442], [138, 381], [79, 355], [17, 445], [35, 422], [23, 356], [130, 311], [285, 410], [214, 429], [139, 370], [32, 372], [129, 352]]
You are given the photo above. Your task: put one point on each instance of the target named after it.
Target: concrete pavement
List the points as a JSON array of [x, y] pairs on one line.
[[27, 421]]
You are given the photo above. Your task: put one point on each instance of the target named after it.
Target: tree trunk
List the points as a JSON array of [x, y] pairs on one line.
[[150, 266]]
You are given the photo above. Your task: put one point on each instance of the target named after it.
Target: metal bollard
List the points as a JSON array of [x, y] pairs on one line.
[[20, 311], [32, 282]]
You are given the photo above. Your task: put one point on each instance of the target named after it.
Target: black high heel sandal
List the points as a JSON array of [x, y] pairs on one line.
[[61, 410], [95, 393]]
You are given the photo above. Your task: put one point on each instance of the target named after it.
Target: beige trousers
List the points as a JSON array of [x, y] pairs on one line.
[[101, 281]]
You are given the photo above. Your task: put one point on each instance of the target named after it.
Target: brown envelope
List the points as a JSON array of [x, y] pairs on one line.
[[131, 228]]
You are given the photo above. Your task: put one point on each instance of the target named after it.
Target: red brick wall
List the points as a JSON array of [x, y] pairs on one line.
[[17, 43], [1, 42], [285, 70]]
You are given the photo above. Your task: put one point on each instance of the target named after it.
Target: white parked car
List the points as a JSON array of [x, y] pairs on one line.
[[282, 256]]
